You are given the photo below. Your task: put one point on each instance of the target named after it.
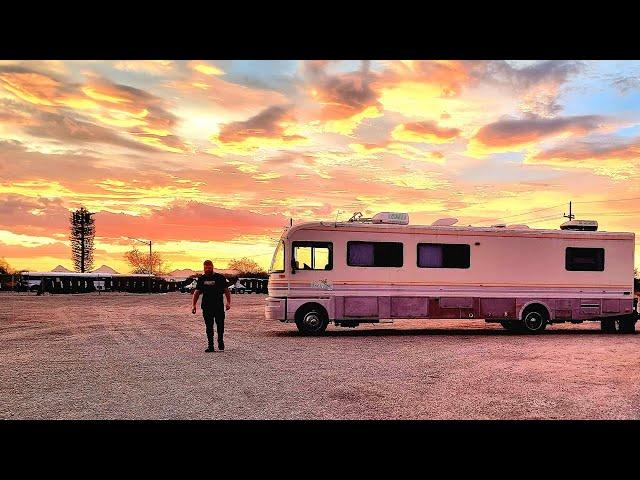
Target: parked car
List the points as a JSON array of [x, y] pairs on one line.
[[189, 287], [237, 288]]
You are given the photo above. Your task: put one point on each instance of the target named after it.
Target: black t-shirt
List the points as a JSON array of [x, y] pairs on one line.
[[212, 288]]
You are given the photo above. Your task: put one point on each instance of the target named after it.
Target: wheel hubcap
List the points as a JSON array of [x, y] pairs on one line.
[[312, 320], [534, 321]]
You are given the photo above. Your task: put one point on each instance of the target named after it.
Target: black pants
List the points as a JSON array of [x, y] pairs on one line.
[[211, 316]]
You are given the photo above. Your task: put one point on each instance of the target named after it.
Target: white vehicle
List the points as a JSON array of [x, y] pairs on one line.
[[383, 269], [237, 287]]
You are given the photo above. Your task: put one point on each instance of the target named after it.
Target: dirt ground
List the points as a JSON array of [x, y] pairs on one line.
[[126, 356]]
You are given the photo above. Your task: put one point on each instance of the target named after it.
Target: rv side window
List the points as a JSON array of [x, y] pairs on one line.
[[584, 259], [313, 255], [443, 255], [374, 254], [277, 263]]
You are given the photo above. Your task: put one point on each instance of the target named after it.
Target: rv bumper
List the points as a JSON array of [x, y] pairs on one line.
[[275, 309]]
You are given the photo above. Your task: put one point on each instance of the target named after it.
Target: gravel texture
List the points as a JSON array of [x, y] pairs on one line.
[[126, 356]]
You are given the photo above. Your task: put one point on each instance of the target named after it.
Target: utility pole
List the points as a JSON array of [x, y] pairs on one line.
[[571, 216], [150, 257]]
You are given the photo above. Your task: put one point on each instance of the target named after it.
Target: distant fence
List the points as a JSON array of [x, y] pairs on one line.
[[86, 283], [67, 282]]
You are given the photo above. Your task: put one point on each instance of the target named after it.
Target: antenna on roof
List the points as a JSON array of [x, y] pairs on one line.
[[570, 216]]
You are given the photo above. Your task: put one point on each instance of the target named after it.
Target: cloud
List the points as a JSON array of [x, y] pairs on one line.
[[271, 127], [424, 132], [537, 84], [612, 157], [31, 216], [627, 84], [345, 99], [341, 95], [516, 134], [129, 110], [151, 67], [188, 220], [206, 68]]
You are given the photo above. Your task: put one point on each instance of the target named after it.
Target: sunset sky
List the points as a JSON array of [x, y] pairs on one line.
[[209, 159]]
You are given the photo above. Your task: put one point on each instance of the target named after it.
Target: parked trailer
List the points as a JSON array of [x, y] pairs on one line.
[[382, 269]]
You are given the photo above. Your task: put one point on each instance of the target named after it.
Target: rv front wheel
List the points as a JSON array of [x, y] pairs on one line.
[[510, 325], [608, 325], [311, 320], [627, 325]]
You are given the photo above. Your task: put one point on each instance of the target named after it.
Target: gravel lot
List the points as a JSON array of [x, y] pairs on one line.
[[125, 356]]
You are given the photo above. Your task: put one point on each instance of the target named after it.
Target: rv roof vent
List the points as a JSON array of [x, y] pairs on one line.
[[518, 226], [586, 225], [499, 225], [444, 222], [391, 217]]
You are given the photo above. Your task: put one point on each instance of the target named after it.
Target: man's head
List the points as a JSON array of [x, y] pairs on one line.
[[208, 267]]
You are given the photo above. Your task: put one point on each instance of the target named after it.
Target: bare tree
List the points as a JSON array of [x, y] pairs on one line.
[[139, 262], [82, 234], [5, 269], [246, 266]]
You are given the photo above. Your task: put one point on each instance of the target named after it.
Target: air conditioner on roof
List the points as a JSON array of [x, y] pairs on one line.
[[444, 222], [391, 217], [586, 225]]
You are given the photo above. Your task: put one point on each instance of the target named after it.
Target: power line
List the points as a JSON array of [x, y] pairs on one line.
[[610, 200], [526, 213], [544, 219], [562, 204]]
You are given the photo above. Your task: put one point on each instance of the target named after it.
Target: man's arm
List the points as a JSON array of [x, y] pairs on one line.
[[196, 294], [227, 295]]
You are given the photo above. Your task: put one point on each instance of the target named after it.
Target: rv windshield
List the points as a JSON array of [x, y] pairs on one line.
[[277, 263]]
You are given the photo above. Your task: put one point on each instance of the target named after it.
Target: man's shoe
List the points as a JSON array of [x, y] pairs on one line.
[[220, 345], [210, 349]]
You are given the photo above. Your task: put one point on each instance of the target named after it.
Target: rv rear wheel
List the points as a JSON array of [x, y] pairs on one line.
[[311, 320], [627, 325], [534, 321]]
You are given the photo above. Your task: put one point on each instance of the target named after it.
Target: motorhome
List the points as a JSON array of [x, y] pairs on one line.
[[382, 269]]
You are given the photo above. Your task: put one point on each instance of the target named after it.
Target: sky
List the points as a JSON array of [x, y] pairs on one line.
[[210, 159]]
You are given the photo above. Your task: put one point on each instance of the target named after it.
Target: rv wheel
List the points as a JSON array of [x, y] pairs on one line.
[[627, 325], [509, 325], [608, 325], [311, 320], [534, 321]]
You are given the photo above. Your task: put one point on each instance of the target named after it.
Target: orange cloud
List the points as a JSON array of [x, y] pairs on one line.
[[129, 110], [273, 127], [206, 68], [424, 132], [517, 134], [617, 159]]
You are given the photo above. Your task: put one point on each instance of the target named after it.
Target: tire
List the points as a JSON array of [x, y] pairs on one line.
[[608, 325], [627, 325], [510, 325], [534, 320], [312, 320]]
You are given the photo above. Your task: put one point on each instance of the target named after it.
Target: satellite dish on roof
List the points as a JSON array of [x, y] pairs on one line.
[[444, 222]]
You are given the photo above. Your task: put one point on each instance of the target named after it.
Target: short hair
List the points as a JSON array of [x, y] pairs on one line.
[[208, 262]]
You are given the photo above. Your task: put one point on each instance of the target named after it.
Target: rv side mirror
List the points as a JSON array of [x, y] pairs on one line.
[[293, 266]]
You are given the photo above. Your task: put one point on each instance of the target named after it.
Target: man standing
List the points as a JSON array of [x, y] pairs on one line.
[[211, 286]]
